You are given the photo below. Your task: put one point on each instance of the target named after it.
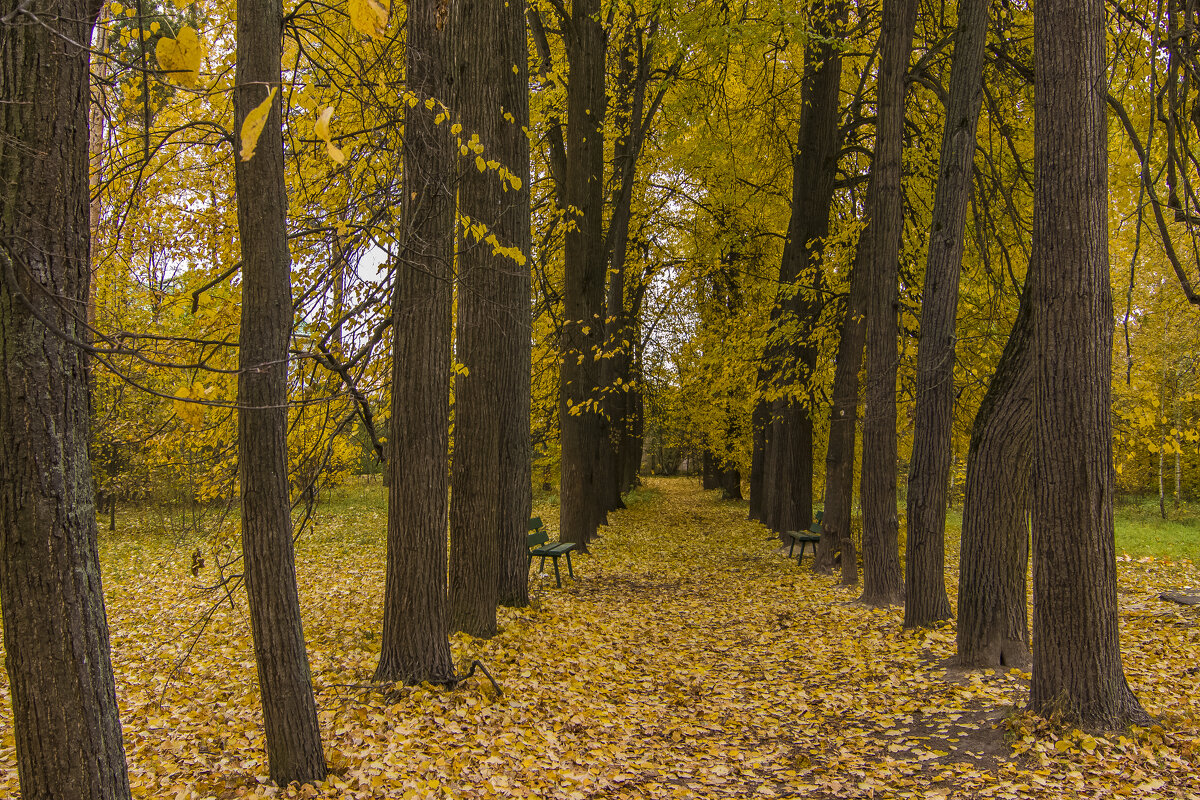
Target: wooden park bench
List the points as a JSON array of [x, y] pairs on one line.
[[806, 538], [540, 545]]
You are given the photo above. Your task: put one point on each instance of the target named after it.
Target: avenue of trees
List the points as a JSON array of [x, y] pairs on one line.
[[482, 245]]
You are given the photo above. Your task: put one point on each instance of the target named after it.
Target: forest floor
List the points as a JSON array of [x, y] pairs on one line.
[[689, 658]]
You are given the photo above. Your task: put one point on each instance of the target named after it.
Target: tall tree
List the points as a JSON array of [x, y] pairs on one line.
[[289, 712], [881, 561], [488, 511], [814, 167], [843, 421], [414, 645], [1077, 661], [583, 431], [65, 720], [925, 600], [513, 226], [992, 625]]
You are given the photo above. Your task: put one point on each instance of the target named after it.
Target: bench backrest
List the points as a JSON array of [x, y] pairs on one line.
[[535, 539], [535, 524], [820, 515]]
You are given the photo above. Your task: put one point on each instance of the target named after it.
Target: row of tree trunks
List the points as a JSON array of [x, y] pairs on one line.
[[293, 737], [881, 558], [414, 643], [65, 720], [490, 475], [925, 600]]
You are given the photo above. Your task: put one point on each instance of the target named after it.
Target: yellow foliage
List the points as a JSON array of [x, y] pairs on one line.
[[180, 57]]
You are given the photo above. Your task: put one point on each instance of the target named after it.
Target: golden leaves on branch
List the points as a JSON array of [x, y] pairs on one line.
[[180, 57], [368, 17]]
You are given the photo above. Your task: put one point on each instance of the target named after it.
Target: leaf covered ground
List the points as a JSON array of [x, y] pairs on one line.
[[689, 659]]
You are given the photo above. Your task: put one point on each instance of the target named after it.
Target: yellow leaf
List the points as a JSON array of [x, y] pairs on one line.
[[321, 128], [368, 17], [180, 57], [480, 164], [252, 126]]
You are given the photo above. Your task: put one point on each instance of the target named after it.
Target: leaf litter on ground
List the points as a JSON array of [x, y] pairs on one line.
[[689, 658]]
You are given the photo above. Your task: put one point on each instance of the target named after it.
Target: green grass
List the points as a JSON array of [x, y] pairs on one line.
[[1141, 530]]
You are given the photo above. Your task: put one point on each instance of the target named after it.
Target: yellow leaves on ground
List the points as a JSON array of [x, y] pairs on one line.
[[322, 130], [252, 126], [180, 57], [368, 17], [689, 659]]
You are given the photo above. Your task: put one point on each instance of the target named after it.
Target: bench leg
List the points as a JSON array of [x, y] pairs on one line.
[[570, 571], [542, 566], [792, 547], [557, 579]]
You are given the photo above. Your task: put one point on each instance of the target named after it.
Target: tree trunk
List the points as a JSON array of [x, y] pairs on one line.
[[994, 553], [843, 424], [925, 601], [758, 420], [492, 318], [65, 719], [731, 484], [583, 282], [709, 479], [1077, 658], [289, 713], [414, 646], [512, 149], [881, 558]]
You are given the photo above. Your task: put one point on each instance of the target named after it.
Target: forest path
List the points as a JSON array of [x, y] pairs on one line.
[[689, 658]]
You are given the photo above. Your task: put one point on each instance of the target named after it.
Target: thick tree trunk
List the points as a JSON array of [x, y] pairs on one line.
[[1077, 655], [881, 558], [512, 149], [289, 712], [489, 484], [843, 426], [65, 721], [925, 601], [994, 553], [583, 285], [731, 484], [414, 645]]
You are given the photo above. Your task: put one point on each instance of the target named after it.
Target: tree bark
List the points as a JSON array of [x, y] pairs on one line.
[[994, 553], [583, 284], [65, 719], [289, 712], [881, 558], [489, 482], [1077, 658], [414, 644], [843, 424], [925, 601]]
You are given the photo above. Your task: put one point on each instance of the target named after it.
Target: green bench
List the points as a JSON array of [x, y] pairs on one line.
[[540, 545], [806, 538]]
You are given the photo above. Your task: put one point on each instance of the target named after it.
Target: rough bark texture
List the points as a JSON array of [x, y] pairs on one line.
[[1077, 655], [843, 424], [992, 626], [881, 558], [289, 712], [516, 321], [65, 723], [488, 489], [414, 644], [583, 442], [925, 601]]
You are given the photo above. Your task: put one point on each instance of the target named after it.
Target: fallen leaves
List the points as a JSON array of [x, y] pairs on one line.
[[689, 659]]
